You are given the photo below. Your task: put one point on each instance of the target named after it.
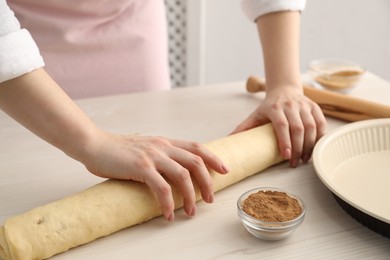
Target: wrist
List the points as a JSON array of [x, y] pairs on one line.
[[83, 143], [285, 89]]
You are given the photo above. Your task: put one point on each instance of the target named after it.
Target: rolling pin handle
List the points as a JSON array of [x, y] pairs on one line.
[[333, 104], [255, 84]]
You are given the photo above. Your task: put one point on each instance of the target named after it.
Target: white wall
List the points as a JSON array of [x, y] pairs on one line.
[[224, 46], [358, 30]]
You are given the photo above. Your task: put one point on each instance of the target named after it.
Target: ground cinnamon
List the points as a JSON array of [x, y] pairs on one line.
[[340, 79], [272, 206]]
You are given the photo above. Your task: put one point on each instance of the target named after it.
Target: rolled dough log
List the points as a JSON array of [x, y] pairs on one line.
[[114, 205]]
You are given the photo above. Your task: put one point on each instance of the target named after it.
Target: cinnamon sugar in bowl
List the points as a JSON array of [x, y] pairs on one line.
[[270, 213], [336, 74]]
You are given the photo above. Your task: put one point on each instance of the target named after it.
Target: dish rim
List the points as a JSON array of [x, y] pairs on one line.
[[332, 135]]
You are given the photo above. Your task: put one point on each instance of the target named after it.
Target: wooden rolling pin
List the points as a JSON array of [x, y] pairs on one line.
[[333, 104]]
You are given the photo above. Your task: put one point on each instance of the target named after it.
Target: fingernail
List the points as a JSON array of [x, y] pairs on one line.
[[193, 212], [171, 217], [295, 163], [225, 168], [306, 158], [287, 153], [210, 198]]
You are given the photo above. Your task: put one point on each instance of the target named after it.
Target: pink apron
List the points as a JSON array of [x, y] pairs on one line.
[[100, 47]]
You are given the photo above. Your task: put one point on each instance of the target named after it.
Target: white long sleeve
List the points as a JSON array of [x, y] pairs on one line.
[[19, 53], [256, 8]]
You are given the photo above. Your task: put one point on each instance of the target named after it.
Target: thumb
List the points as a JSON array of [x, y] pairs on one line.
[[249, 123]]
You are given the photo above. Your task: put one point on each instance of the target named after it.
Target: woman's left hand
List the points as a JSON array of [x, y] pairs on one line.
[[298, 122]]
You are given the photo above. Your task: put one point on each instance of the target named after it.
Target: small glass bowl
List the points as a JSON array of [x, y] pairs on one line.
[[269, 230], [336, 75]]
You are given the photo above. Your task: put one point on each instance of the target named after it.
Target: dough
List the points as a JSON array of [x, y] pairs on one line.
[[114, 205]]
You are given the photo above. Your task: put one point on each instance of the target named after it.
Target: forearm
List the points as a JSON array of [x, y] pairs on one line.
[[298, 121], [38, 103], [279, 35]]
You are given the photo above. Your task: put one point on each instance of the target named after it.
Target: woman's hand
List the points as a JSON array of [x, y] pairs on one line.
[[155, 161], [298, 122]]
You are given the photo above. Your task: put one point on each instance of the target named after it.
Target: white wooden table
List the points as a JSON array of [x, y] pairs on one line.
[[33, 173]]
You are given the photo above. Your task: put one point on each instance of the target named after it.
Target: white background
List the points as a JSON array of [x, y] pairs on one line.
[[223, 45]]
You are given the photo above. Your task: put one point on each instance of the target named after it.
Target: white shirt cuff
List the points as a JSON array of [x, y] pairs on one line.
[[256, 8], [19, 54]]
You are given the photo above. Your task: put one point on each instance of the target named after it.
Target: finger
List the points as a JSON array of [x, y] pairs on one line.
[[297, 135], [163, 190], [198, 171], [249, 123], [206, 156], [320, 121], [282, 131], [243, 126], [181, 178], [310, 134]]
